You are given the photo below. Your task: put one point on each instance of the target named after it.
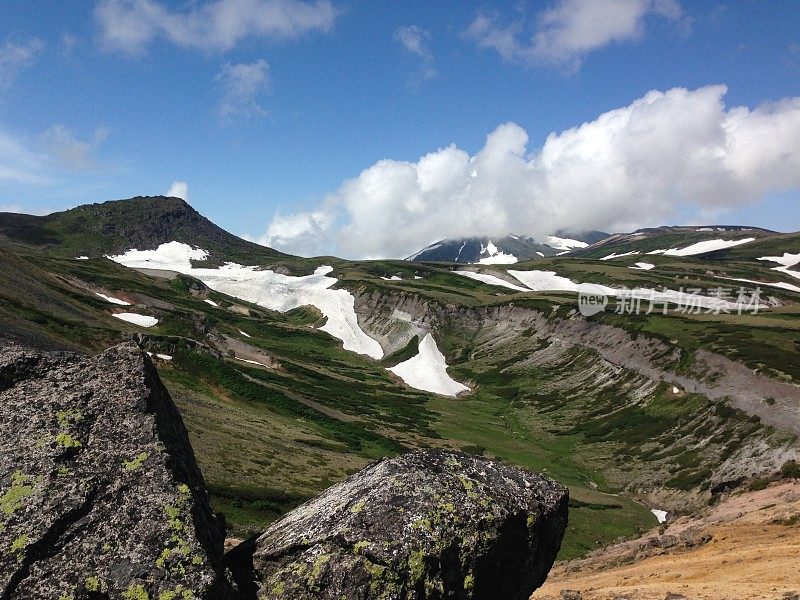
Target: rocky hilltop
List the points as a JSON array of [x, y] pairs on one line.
[[101, 497]]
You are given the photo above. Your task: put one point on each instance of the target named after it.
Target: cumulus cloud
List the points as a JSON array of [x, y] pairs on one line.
[[241, 85], [666, 153], [568, 31], [309, 233], [130, 26], [415, 40], [15, 57], [178, 189]]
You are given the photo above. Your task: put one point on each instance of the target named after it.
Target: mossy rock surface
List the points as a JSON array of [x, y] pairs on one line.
[[426, 525], [100, 494]]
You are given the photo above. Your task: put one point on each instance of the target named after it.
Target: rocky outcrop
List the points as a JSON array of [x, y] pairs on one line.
[[100, 494], [427, 525]]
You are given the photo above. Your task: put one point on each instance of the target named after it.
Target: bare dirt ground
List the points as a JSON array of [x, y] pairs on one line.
[[745, 547]]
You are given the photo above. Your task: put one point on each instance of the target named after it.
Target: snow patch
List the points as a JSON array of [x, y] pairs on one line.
[[540, 254], [703, 247], [495, 255], [141, 320], [612, 255], [776, 284], [164, 356], [172, 256], [112, 300], [211, 302], [661, 515], [81, 258], [253, 362], [548, 281], [786, 262], [643, 266], [564, 243], [267, 289], [392, 278], [245, 334], [491, 280], [428, 370]]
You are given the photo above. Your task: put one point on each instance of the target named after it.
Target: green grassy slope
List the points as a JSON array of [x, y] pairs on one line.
[[267, 439]]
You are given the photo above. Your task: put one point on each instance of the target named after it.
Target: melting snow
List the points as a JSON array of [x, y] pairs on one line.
[[112, 300], [491, 280], [643, 266], [496, 256], [544, 281], [253, 362], [428, 370], [786, 262], [775, 284], [142, 320], [392, 278], [211, 302], [564, 243], [268, 289], [703, 247], [611, 256], [661, 515], [172, 256]]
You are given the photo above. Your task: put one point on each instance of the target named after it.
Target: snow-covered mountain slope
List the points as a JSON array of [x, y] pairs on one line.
[[506, 250], [266, 288]]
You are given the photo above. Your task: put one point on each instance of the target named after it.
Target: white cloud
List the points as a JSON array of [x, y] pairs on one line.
[[10, 208], [15, 57], [667, 153], [216, 25], [47, 158], [69, 151], [241, 85], [307, 233], [568, 31], [414, 40], [178, 189]]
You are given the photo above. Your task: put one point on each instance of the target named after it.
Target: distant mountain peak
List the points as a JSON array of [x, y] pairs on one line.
[[504, 250]]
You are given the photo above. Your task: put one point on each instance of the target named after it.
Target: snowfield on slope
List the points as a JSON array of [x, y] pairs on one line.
[[564, 243], [643, 266], [495, 255], [266, 288], [428, 370], [548, 281], [703, 247], [136, 319], [491, 280], [613, 256], [786, 262], [112, 300]]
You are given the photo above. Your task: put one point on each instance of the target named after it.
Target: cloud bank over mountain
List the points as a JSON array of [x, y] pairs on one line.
[[637, 165]]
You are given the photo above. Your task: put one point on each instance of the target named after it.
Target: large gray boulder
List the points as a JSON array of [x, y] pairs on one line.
[[427, 525], [100, 494]]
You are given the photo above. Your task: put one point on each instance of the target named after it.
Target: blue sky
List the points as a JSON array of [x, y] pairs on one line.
[[270, 111]]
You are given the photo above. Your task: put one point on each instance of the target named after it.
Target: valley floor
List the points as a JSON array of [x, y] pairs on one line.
[[746, 547]]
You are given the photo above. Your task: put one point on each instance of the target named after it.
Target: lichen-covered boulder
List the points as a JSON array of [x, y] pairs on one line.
[[100, 494], [427, 525]]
